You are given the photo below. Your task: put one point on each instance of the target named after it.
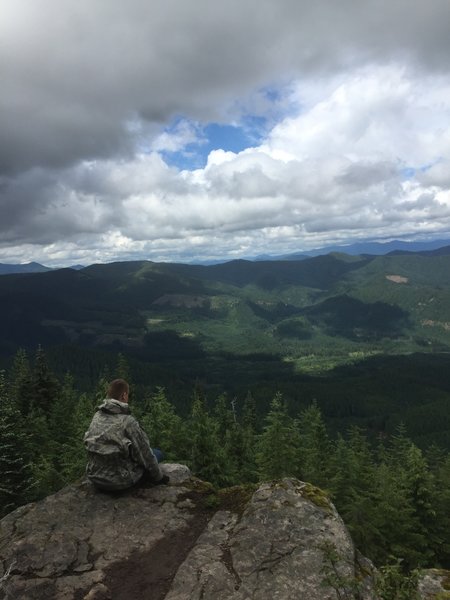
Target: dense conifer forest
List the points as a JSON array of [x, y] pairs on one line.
[[393, 495]]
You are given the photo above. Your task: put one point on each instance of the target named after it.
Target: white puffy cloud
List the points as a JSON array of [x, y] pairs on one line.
[[96, 95]]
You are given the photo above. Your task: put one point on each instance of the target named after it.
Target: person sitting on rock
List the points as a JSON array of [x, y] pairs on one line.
[[119, 452]]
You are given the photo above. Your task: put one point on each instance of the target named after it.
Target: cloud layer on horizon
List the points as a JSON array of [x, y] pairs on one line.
[[355, 98]]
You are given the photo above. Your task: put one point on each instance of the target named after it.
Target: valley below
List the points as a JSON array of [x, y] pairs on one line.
[[367, 337]]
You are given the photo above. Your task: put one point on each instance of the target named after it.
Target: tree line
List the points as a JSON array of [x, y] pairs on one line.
[[393, 496]]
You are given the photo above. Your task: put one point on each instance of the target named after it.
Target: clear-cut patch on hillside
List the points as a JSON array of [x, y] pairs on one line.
[[397, 278], [430, 323]]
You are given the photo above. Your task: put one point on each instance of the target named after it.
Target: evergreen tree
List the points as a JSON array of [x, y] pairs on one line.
[[42, 452], [236, 440], [314, 447], [101, 388], [44, 385], [63, 429], [207, 457], [435, 457], [229, 436], [44, 392], [20, 382], [401, 518], [249, 416], [423, 493], [392, 518], [415, 486], [163, 425], [122, 368], [74, 453], [352, 485], [61, 418], [16, 481], [278, 444], [249, 470], [224, 416], [442, 507]]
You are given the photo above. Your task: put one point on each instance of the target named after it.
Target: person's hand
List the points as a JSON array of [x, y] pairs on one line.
[[164, 480]]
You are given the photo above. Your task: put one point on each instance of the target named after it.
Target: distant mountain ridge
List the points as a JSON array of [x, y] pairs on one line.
[[32, 267], [441, 251], [370, 248], [432, 248]]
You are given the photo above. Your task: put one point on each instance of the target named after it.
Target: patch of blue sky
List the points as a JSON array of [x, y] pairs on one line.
[[274, 94], [217, 136], [256, 117], [410, 172]]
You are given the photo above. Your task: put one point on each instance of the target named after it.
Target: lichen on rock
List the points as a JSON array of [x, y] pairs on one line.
[[435, 584]]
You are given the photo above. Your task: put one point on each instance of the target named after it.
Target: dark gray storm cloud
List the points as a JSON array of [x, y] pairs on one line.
[[87, 84], [76, 72]]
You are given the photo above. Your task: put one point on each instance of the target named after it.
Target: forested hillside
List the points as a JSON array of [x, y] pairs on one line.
[[290, 309], [366, 337]]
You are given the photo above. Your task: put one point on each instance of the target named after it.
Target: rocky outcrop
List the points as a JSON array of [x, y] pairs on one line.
[[178, 542], [435, 585]]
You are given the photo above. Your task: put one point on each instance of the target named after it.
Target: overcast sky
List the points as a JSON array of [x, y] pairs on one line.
[[197, 129]]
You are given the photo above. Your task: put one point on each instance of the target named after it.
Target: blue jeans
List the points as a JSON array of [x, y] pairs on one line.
[[159, 455]]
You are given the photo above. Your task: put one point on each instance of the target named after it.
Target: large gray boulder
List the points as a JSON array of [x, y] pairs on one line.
[[273, 551], [177, 542]]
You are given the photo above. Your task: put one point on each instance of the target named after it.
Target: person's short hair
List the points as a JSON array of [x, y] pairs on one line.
[[117, 388]]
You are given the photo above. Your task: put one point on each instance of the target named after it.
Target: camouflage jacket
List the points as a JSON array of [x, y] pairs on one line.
[[118, 449]]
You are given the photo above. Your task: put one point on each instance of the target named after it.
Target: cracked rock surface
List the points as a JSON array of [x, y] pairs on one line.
[[165, 543], [272, 552]]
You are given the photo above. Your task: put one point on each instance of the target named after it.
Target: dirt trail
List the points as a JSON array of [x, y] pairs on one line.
[[148, 575]]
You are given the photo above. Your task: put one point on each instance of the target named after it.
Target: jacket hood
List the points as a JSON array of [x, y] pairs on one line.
[[110, 405]]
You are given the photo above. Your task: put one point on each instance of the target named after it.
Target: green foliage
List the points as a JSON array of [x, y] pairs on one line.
[[20, 385], [163, 426], [278, 444], [61, 422], [315, 448], [101, 388], [207, 457], [122, 368], [236, 498], [411, 491], [317, 496], [352, 486], [16, 480], [338, 573], [391, 582], [441, 505], [237, 439], [44, 385], [73, 454], [354, 319]]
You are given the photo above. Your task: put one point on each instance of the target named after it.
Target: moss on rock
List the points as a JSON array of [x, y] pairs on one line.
[[236, 498], [316, 495], [207, 497]]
